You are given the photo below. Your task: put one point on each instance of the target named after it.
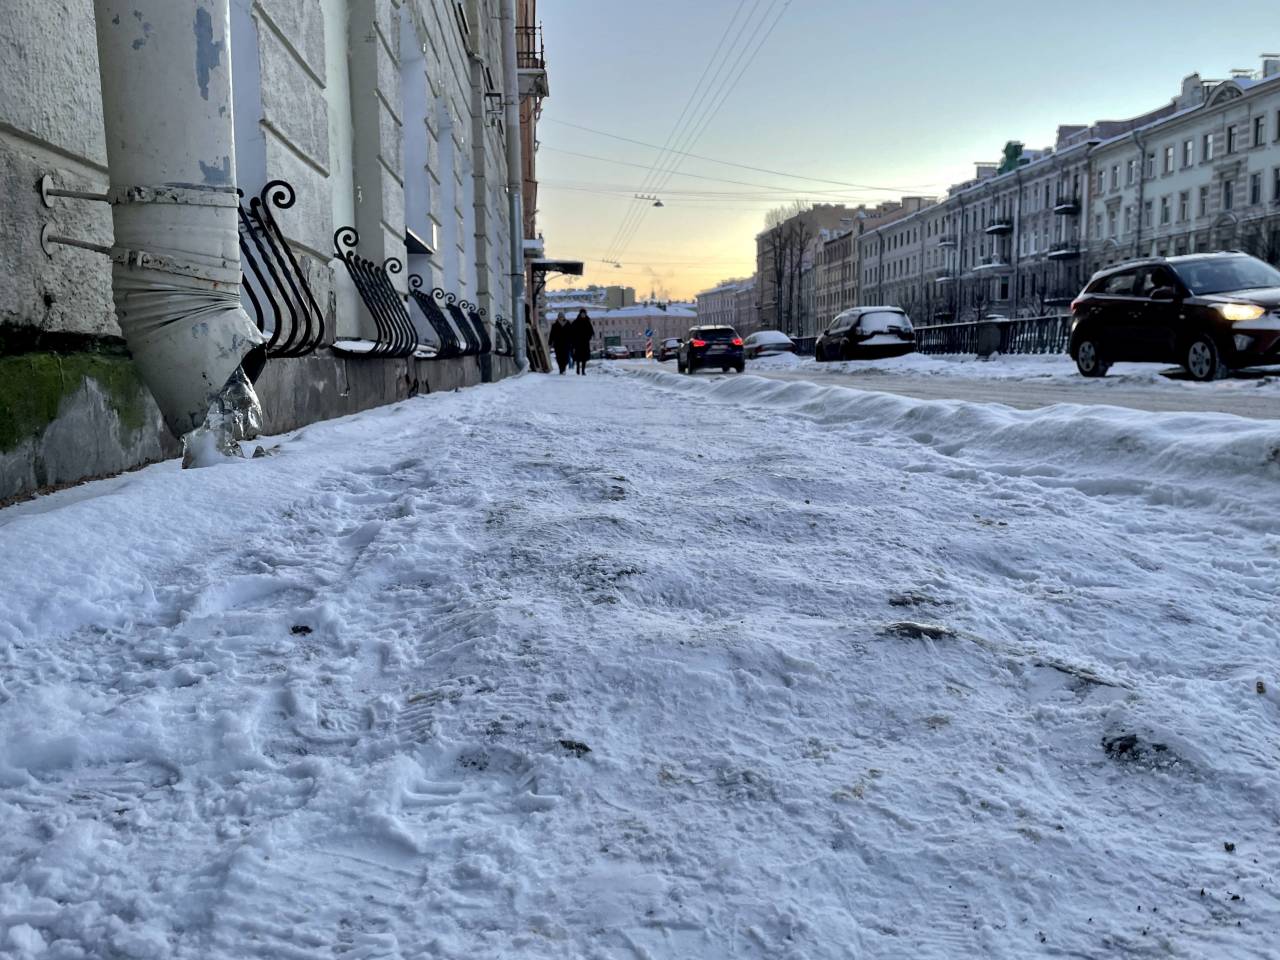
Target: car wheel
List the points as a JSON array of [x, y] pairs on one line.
[[688, 368], [740, 367], [1089, 359], [1202, 359], [679, 365]]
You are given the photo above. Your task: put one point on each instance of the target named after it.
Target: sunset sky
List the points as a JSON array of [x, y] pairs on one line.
[[869, 100]]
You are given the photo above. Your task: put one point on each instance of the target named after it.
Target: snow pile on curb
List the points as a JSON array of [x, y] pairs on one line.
[[1015, 367], [1201, 457]]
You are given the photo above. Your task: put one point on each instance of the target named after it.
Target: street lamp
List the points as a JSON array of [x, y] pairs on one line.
[[645, 196]]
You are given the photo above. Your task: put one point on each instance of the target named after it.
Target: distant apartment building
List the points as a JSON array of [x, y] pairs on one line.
[[837, 271], [1206, 177], [631, 326], [783, 252], [593, 297], [725, 304], [1021, 238]]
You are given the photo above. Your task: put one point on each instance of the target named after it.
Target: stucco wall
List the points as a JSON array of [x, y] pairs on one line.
[[51, 122]]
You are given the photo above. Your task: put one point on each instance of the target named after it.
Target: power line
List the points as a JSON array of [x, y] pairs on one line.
[[777, 188], [731, 163], [721, 94], [631, 210]]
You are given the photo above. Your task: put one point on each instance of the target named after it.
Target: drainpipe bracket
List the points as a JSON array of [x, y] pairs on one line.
[[177, 194], [225, 272]]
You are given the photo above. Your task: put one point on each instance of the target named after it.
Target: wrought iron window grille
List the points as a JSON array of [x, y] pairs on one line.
[[396, 334], [450, 343], [272, 280]]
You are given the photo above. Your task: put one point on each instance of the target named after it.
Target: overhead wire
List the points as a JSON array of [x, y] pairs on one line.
[[728, 163], [718, 98], [631, 211]]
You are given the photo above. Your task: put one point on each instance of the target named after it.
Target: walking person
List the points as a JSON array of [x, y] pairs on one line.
[[582, 331], [559, 339]]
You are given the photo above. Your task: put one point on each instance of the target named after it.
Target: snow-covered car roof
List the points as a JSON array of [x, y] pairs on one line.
[[770, 336]]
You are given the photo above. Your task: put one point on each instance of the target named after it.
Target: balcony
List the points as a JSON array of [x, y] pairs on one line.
[[1000, 226], [531, 62], [990, 265], [1067, 206], [1064, 251], [948, 240]]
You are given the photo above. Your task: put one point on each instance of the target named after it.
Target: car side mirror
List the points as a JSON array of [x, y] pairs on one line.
[[1164, 293]]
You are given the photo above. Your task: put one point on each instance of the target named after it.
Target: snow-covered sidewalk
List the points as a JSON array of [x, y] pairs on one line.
[[641, 666]]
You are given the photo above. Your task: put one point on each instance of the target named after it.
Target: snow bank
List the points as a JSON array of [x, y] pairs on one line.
[[1203, 459], [1013, 367]]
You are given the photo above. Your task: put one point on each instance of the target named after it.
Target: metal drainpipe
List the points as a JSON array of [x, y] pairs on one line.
[[515, 177], [166, 105]]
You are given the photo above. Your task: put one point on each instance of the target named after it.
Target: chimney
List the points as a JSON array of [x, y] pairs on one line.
[[1270, 65]]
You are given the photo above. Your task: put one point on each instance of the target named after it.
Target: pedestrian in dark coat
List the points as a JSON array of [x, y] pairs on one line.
[[582, 332], [559, 339]]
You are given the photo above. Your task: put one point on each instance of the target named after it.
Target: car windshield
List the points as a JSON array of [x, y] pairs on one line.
[[1231, 273], [715, 333], [882, 321]]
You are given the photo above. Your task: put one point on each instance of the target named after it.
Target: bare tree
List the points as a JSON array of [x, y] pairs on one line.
[[787, 234]]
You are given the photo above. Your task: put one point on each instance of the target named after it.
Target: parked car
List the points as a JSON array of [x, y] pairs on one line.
[[668, 349], [1209, 312], [711, 347], [864, 333], [764, 343], [616, 352]]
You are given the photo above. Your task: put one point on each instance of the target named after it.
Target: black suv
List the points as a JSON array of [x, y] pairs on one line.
[[711, 347], [1209, 312]]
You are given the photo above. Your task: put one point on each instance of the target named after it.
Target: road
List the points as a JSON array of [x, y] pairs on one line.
[[1031, 394]]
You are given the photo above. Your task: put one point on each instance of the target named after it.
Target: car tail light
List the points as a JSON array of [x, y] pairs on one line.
[[737, 341], [697, 343]]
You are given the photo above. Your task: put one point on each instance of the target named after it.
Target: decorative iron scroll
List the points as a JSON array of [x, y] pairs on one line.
[[396, 334], [272, 280], [450, 343]]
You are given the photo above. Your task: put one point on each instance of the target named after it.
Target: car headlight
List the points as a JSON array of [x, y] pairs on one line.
[[1239, 312]]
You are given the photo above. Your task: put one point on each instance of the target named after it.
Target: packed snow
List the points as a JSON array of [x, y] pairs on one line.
[[644, 666]]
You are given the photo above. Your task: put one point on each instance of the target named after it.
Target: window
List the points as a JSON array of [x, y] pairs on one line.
[[1168, 159], [1115, 176], [1275, 186], [1111, 223], [1131, 172], [1204, 201], [1184, 206], [1255, 189], [1146, 214], [1188, 153], [1206, 147], [1259, 131], [1097, 224], [1165, 207], [1150, 169], [1119, 285], [1228, 194], [1228, 273], [1128, 218], [1231, 139]]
